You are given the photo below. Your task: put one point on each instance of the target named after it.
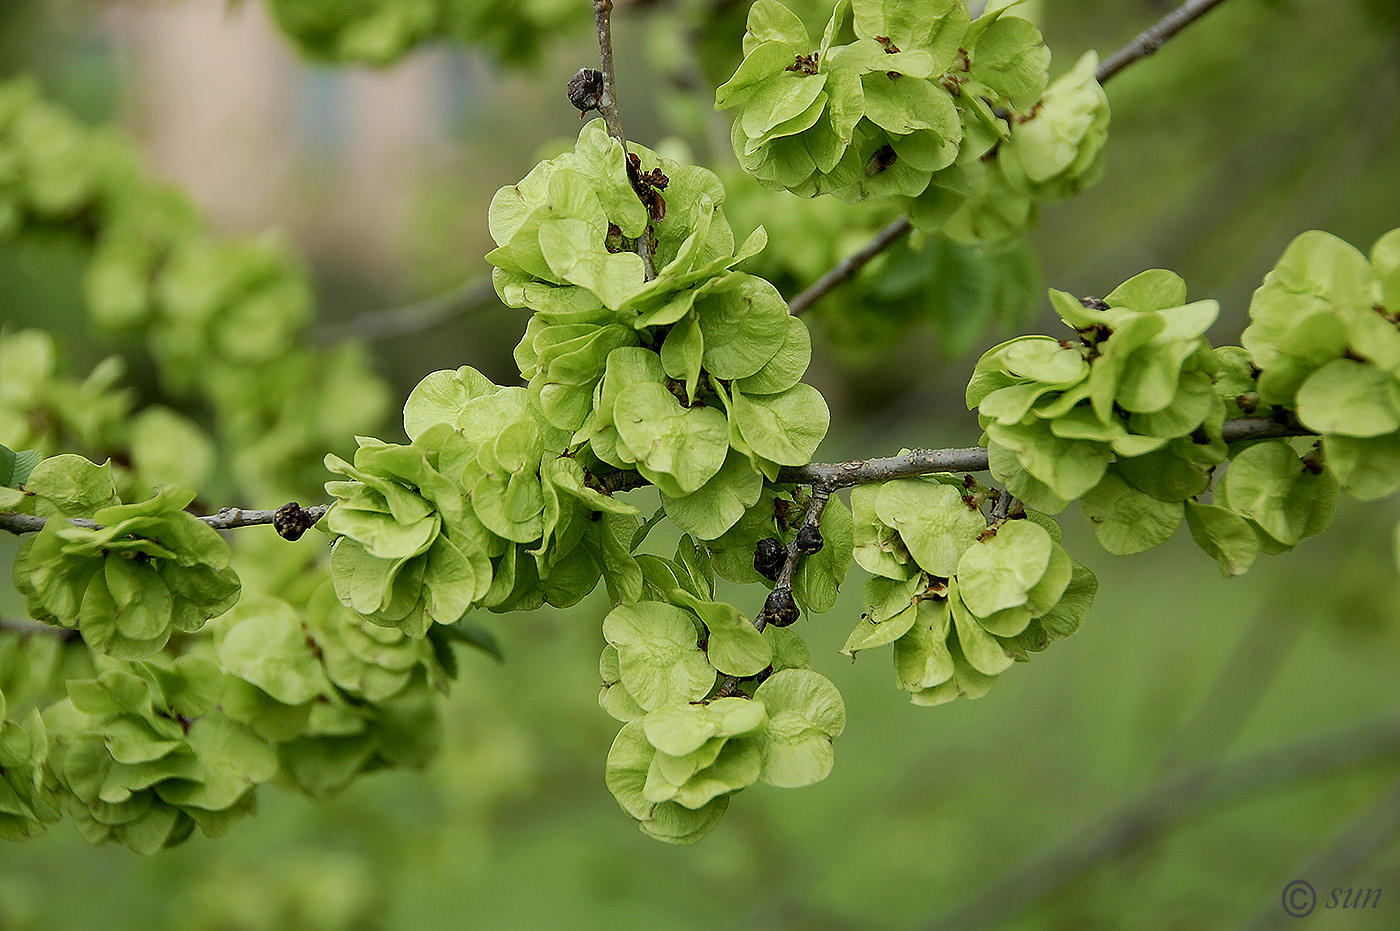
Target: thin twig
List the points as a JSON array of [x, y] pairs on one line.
[[928, 461], [1172, 800], [813, 518], [409, 319], [1001, 508], [27, 628], [1145, 44], [820, 475], [1153, 38], [849, 266], [225, 519], [607, 106], [783, 584]]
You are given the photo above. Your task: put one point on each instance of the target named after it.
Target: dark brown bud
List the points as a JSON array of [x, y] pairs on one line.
[[586, 90], [1094, 303], [780, 609], [883, 158], [809, 540], [768, 558], [291, 521]]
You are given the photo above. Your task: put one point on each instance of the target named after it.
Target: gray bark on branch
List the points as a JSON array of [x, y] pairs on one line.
[[225, 519], [607, 106]]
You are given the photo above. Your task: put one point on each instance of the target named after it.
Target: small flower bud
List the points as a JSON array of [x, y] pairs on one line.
[[586, 89], [768, 558], [809, 540], [291, 521], [780, 609]]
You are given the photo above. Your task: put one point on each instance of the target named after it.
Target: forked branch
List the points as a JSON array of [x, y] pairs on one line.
[[1147, 42]]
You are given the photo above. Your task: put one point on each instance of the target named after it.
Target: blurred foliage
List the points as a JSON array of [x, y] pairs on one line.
[[1270, 117]]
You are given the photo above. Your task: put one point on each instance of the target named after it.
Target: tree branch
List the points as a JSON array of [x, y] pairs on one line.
[[290, 520], [782, 588], [849, 266], [1153, 38], [26, 628], [607, 106], [1363, 838], [411, 318], [1157, 808], [832, 475], [1149, 41]]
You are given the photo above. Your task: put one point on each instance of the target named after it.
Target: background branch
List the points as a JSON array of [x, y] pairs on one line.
[[1350, 848], [410, 319], [848, 267], [1161, 806], [1154, 37], [27, 628], [1147, 42]]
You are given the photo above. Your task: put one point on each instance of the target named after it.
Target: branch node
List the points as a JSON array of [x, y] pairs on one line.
[[291, 521]]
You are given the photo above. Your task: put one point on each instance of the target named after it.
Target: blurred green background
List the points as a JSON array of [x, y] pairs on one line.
[[1026, 807]]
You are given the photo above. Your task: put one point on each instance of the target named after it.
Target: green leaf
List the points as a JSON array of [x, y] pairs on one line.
[[681, 729], [1268, 484], [878, 547], [999, 571], [659, 661], [1350, 398], [265, 645], [805, 714], [770, 21], [682, 354], [1010, 56], [735, 647], [982, 651], [785, 428], [933, 521], [1126, 520], [718, 504], [744, 324], [1154, 289], [889, 612], [1224, 535], [676, 824], [787, 366], [921, 656], [1367, 468], [679, 449], [70, 486], [874, 631]]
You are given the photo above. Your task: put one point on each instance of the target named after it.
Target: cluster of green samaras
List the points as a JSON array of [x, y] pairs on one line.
[[163, 730], [918, 101], [382, 31], [1127, 417], [692, 377], [225, 321], [489, 507], [960, 599]]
